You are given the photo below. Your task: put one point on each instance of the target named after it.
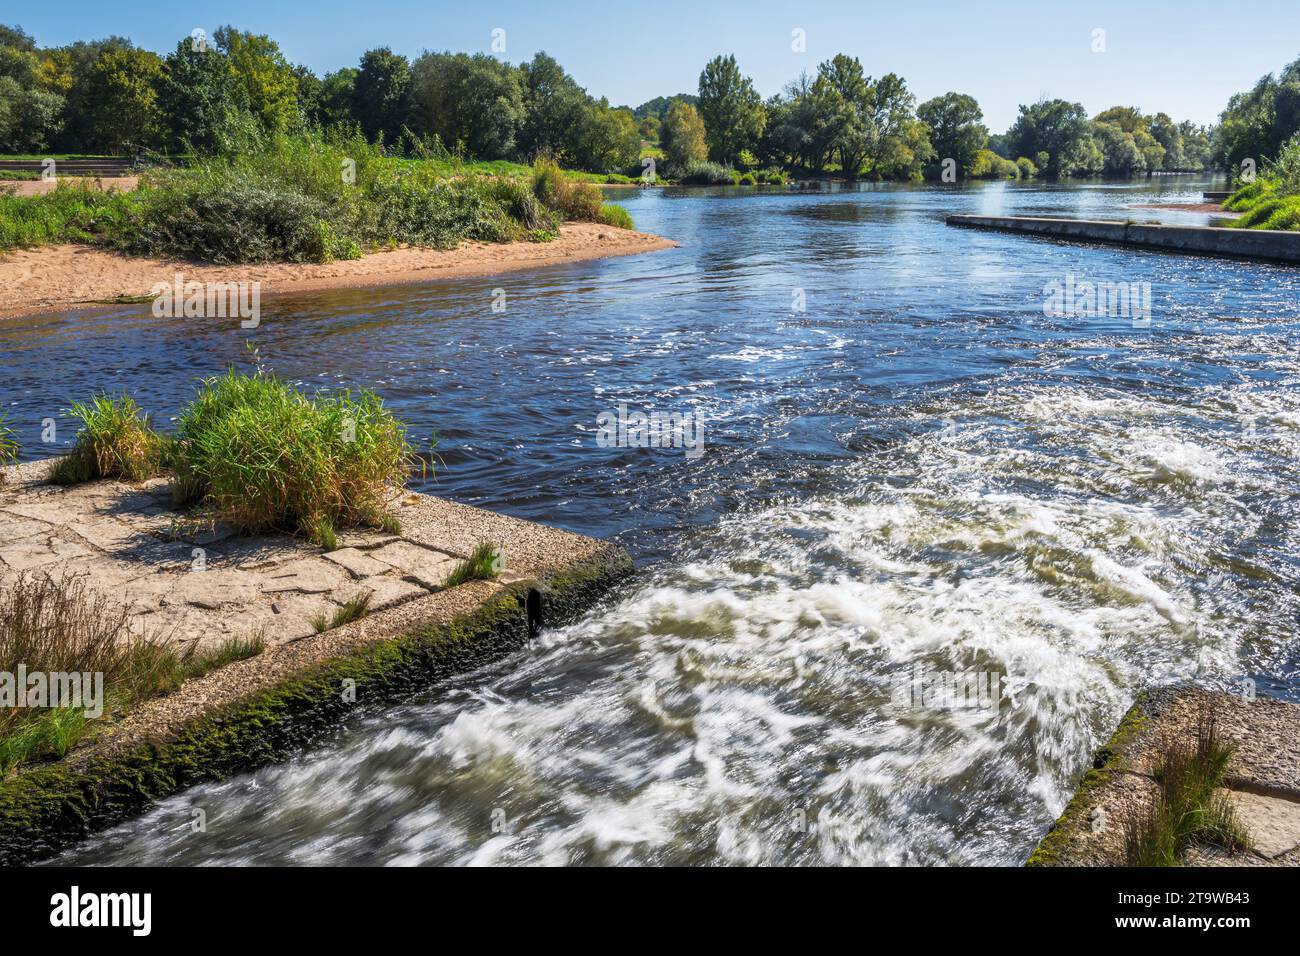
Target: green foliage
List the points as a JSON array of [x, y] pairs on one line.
[[1257, 123], [956, 130], [747, 179], [682, 137], [1055, 128], [70, 213], [381, 93], [259, 455], [29, 116], [1252, 194], [989, 165], [1189, 806], [704, 173], [114, 441], [483, 564], [475, 103], [731, 109], [1278, 212]]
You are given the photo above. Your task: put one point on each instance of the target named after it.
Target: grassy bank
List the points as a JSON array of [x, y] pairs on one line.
[[1272, 200], [305, 198]]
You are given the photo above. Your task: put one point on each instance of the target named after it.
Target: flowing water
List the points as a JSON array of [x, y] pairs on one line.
[[920, 469]]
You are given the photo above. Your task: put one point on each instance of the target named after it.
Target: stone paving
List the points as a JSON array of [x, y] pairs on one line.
[[1263, 780], [189, 581]]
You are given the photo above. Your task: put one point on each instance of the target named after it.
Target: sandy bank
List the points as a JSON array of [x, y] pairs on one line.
[[38, 187], [56, 278]]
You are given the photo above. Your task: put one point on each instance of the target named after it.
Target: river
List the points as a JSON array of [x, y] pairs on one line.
[[907, 463]]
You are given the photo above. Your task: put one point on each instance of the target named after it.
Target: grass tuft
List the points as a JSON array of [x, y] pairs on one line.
[[483, 564], [8, 446], [353, 610], [1190, 806], [115, 441], [262, 456]]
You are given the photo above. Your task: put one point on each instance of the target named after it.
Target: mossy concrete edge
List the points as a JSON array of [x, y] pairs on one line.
[[52, 807], [1110, 758]]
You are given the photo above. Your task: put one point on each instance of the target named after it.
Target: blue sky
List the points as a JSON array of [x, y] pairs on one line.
[[1185, 57]]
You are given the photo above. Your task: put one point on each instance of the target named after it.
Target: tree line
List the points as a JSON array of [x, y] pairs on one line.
[[110, 96]]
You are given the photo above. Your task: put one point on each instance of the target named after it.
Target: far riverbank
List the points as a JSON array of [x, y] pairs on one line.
[[57, 278]]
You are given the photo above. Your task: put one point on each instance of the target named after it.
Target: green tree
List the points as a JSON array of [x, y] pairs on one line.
[[1055, 128], [334, 105], [381, 94], [1257, 123], [29, 117], [682, 136], [554, 110], [475, 103], [610, 141], [199, 98], [120, 104], [731, 109], [268, 82], [956, 129]]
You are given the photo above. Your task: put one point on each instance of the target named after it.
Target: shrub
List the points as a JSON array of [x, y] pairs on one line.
[[615, 215], [771, 176], [748, 179], [115, 441], [1025, 168], [571, 200], [705, 173], [231, 218], [261, 456]]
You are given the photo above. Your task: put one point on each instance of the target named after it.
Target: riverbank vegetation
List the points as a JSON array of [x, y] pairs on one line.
[[1272, 199], [302, 197], [1189, 806], [58, 626], [255, 453], [203, 97]]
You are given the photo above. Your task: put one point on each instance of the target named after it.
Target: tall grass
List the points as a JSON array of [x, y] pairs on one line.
[[58, 625], [8, 445], [260, 456], [114, 441], [574, 200], [69, 213], [1189, 807]]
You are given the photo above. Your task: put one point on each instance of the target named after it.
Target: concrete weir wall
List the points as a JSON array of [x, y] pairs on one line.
[[422, 627], [1258, 244]]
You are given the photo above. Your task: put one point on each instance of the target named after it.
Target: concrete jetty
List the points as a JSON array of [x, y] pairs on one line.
[[1255, 244]]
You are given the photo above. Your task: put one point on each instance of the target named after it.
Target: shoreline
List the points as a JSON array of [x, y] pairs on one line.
[[265, 708], [69, 277]]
